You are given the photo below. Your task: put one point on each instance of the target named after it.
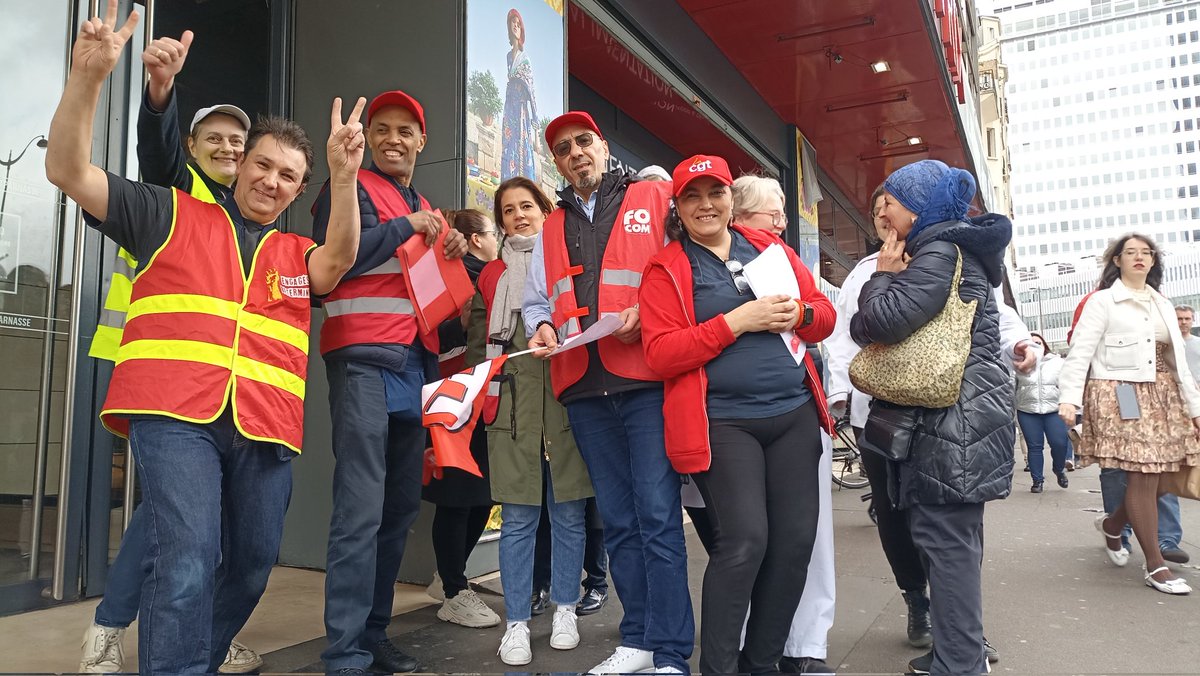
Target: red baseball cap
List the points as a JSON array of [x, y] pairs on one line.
[[568, 118], [397, 98], [700, 165]]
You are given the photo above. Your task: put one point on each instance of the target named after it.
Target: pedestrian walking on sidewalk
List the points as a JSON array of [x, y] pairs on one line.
[[1127, 369]]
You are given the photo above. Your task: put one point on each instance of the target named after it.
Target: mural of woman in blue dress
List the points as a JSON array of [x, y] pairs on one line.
[[520, 124]]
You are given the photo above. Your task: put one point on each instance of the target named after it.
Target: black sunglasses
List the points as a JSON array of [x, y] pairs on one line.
[[564, 147], [738, 273]]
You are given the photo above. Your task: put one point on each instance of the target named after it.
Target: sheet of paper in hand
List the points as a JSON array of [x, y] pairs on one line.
[[769, 274]]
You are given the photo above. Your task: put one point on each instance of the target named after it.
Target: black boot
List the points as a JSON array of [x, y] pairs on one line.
[[920, 634]]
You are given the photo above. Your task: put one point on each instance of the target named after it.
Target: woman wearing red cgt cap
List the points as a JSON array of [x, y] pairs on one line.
[[755, 459]]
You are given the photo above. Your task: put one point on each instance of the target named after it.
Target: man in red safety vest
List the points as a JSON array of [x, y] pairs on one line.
[[377, 360], [587, 264], [210, 374]]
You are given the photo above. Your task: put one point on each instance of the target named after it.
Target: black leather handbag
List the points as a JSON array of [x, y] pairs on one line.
[[890, 430]]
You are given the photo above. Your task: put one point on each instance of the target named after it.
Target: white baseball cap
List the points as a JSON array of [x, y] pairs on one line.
[[227, 109]]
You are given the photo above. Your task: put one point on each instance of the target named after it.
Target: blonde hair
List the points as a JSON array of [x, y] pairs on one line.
[[750, 193]]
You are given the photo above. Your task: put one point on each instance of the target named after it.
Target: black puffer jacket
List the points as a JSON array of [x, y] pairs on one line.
[[963, 453]]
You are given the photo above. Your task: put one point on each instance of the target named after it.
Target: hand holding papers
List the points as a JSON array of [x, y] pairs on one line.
[[438, 288], [769, 274]]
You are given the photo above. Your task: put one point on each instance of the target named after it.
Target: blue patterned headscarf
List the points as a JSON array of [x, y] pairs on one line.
[[933, 191]]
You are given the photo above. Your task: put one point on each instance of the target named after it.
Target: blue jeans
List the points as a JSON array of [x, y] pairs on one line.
[[1038, 428], [376, 498], [620, 437], [1112, 492], [518, 537], [202, 484], [123, 588]]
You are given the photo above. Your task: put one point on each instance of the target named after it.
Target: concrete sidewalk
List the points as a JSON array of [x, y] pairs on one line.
[[1053, 602]]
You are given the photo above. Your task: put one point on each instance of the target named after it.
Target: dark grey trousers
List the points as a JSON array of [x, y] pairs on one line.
[[950, 540]]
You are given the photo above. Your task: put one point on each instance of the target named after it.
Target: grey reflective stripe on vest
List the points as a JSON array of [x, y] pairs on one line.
[[112, 318], [560, 287], [389, 267], [569, 329], [122, 267], [493, 350], [389, 306], [621, 278]]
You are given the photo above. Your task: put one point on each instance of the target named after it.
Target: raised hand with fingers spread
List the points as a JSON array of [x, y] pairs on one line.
[[346, 144], [100, 43]]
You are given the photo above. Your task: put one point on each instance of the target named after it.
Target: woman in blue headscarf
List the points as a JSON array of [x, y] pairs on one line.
[[519, 138], [961, 456]]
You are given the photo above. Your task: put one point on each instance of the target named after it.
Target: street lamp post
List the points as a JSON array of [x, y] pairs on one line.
[[41, 143]]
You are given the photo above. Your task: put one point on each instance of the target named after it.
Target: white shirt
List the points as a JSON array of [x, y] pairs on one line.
[[841, 348]]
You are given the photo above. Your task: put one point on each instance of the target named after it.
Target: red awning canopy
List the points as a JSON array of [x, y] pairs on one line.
[[811, 62]]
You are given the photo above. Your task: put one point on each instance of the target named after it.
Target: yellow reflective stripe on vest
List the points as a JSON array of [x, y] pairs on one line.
[[268, 375], [106, 342], [184, 302], [111, 325], [275, 329], [621, 278], [177, 350], [199, 188]]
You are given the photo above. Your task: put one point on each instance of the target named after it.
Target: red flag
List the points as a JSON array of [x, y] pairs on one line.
[[450, 408], [438, 288]]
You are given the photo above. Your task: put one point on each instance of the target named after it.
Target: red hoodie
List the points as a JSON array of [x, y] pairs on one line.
[[677, 348]]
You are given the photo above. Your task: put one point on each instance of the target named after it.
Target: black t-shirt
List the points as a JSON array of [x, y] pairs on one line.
[[755, 377], [139, 219]]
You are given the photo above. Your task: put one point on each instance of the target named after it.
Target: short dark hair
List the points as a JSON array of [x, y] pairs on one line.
[[286, 132], [1045, 345], [1112, 273], [539, 197], [467, 221], [875, 198]]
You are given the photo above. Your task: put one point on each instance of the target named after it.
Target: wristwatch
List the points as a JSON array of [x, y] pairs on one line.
[[806, 315]]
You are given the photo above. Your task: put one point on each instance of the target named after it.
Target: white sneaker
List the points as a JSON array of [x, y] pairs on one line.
[[240, 660], [564, 634], [625, 661], [468, 610], [514, 647], [435, 590], [102, 652]]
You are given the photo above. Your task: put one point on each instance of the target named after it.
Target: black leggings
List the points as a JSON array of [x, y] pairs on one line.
[[455, 532], [893, 529], [761, 497]]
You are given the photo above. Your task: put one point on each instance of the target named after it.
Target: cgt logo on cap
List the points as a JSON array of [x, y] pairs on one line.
[[699, 165]]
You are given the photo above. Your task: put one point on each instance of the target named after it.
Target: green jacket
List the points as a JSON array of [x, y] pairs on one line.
[[515, 438]]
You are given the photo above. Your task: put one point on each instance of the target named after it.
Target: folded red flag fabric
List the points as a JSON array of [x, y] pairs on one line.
[[449, 409], [438, 288]]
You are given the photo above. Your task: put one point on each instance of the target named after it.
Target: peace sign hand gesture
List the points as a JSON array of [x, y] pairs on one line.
[[344, 150], [99, 45]]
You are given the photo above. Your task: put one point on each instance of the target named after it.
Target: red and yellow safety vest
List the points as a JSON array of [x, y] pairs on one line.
[[112, 316], [637, 235], [374, 307], [200, 334]]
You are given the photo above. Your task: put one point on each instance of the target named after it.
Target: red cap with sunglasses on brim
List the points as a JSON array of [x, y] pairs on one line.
[[397, 98], [700, 165], [568, 118]]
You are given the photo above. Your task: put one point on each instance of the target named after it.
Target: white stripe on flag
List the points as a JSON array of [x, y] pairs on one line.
[[455, 395]]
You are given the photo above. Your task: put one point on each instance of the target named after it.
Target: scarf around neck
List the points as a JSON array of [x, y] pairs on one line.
[[510, 288]]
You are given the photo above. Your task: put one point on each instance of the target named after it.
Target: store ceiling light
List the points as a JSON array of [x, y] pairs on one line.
[[895, 98], [881, 67], [914, 140]]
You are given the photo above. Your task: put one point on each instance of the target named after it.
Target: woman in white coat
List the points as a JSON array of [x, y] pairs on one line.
[[1037, 414], [1128, 371]]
